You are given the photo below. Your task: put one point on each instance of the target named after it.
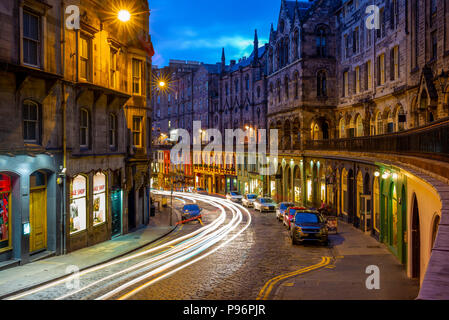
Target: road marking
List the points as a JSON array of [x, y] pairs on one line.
[[266, 289]]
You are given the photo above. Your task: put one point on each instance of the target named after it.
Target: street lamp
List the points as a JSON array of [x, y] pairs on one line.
[[124, 15]]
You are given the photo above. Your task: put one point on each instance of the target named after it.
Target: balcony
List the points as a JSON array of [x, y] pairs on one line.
[[429, 142]]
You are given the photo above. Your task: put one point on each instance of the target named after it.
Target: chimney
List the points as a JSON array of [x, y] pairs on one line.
[[233, 62]]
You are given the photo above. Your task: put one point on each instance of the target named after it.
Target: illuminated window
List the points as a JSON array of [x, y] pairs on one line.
[[78, 204], [342, 128], [5, 212], [369, 76], [99, 199]]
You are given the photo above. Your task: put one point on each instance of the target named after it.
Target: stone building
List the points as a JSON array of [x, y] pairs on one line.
[[79, 103]]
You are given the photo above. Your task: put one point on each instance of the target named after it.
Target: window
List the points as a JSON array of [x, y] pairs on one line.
[[394, 63], [137, 131], [381, 69], [381, 30], [296, 85], [321, 84], [78, 204], [394, 14], [99, 201], [5, 212], [31, 39], [84, 128], [320, 43], [247, 82], [31, 122], [345, 84], [113, 67], [258, 92], [346, 42], [357, 80], [286, 87], [112, 130], [359, 126], [433, 12], [355, 40], [433, 38], [85, 43], [369, 76], [137, 76]]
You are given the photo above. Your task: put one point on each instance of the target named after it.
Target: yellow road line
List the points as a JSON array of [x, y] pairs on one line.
[[266, 289]]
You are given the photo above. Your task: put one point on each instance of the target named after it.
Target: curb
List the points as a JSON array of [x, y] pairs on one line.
[[87, 267]]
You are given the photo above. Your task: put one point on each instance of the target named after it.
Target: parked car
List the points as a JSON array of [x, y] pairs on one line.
[[264, 204], [289, 214], [201, 191], [248, 200], [283, 206], [308, 225], [191, 211], [234, 196]]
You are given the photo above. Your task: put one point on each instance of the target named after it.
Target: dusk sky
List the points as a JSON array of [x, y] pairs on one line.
[[198, 29]]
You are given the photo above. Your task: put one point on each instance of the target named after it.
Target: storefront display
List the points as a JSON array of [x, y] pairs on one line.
[[5, 193], [99, 199], [78, 204]]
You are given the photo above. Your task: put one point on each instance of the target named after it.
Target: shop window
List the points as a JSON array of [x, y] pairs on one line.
[[31, 122], [5, 212], [99, 200], [78, 204], [31, 42]]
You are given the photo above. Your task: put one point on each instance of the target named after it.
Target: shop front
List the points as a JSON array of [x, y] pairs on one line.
[[88, 210], [30, 208]]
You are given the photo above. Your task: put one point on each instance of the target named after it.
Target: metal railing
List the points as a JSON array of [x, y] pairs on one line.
[[431, 141]]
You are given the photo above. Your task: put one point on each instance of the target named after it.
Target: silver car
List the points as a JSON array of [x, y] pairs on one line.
[[264, 204], [249, 199]]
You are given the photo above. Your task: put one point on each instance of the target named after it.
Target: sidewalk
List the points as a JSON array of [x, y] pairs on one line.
[[24, 277], [345, 279]]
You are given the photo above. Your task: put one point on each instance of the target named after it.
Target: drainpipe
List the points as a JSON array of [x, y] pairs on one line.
[[64, 143]]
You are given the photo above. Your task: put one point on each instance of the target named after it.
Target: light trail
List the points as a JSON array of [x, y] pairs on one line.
[[187, 247]]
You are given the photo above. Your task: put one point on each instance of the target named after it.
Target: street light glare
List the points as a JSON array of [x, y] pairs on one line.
[[124, 15], [162, 84]]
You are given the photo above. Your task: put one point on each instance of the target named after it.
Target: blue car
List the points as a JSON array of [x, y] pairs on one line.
[[308, 225], [191, 211]]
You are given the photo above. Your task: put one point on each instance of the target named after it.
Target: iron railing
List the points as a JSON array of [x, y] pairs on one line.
[[431, 141]]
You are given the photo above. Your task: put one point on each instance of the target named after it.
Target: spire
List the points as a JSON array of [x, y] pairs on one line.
[[223, 60], [256, 48]]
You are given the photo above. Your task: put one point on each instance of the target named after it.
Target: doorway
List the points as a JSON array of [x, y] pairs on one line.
[[416, 241], [38, 212]]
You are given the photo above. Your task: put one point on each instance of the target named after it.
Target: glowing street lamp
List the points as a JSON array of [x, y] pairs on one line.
[[124, 15], [162, 84]]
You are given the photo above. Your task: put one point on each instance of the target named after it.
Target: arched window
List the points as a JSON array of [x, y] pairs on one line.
[[258, 92], [315, 131], [32, 122], [401, 119], [278, 88], [342, 129], [286, 87], [296, 45], [390, 122], [247, 82], [84, 128], [359, 126], [286, 51], [321, 86], [321, 42], [236, 86], [112, 130]]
